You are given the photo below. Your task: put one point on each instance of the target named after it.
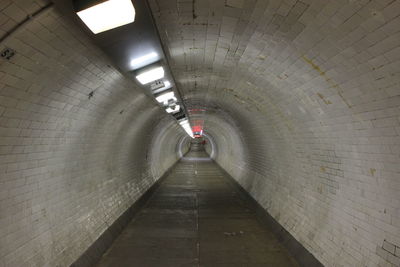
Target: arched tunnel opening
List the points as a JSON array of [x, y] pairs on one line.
[[200, 133]]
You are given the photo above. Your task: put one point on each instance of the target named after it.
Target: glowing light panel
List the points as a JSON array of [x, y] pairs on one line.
[[108, 15], [186, 126], [151, 75], [140, 60]]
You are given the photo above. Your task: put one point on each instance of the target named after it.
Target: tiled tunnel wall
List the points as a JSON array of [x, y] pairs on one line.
[[311, 90], [79, 142], [302, 101]]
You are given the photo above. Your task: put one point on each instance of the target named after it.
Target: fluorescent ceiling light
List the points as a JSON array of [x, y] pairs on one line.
[[186, 126], [140, 60], [164, 98], [185, 121], [151, 75], [173, 109], [108, 15]]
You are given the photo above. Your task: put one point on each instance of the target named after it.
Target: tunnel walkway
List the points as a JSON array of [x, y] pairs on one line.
[[196, 218]]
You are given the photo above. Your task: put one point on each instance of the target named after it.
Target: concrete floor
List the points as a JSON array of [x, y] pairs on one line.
[[196, 218]]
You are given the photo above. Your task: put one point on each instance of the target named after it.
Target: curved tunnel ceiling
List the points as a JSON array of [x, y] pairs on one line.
[[310, 90], [300, 98]]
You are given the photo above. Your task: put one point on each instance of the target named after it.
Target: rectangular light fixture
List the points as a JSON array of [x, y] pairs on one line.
[[165, 98], [151, 75], [106, 15], [173, 109], [144, 60], [186, 126]]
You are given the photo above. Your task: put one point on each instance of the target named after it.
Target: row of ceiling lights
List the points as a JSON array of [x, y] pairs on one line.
[[160, 87], [100, 16]]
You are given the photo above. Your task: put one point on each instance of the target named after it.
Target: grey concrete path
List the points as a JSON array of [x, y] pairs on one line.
[[196, 218]]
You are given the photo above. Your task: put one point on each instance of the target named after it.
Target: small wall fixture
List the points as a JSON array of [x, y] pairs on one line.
[[167, 85], [173, 109], [166, 98], [102, 16]]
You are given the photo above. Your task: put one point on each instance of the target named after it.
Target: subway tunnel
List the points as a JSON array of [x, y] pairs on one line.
[[299, 106]]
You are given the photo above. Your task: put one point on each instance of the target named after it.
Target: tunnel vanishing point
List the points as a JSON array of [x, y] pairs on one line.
[[200, 133]]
